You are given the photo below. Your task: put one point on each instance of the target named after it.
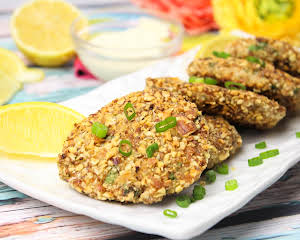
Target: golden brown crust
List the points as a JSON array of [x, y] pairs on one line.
[[239, 107], [282, 54], [223, 137], [95, 167], [266, 80]]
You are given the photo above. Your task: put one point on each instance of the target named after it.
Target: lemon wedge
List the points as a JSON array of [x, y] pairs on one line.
[[35, 128], [8, 87], [216, 44], [41, 30], [14, 67]]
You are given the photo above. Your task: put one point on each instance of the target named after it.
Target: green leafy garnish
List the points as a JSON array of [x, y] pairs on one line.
[[121, 147], [170, 213], [151, 150], [258, 46], [255, 161], [221, 54], [210, 176], [222, 168], [261, 145], [297, 134], [111, 176], [99, 129], [199, 192], [129, 109], [231, 185], [268, 154], [256, 60], [166, 124], [183, 201], [206, 80], [172, 176], [234, 85]]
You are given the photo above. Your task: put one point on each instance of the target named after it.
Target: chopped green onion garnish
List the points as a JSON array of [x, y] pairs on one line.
[[258, 46], [256, 60], [231, 185], [198, 192], [183, 201], [194, 79], [99, 129], [221, 54], [261, 145], [222, 168], [268, 154], [206, 80], [151, 150], [129, 109], [166, 124], [170, 213], [255, 161], [235, 85], [121, 145], [172, 176], [210, 81], [210, 176], [111, 176], [297, 134]]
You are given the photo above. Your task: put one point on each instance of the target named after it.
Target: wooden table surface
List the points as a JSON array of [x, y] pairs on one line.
[[273, 214]]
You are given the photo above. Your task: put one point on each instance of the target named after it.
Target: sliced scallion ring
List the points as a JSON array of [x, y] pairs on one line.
[[183, 201], [121, 145], [206, 80], [270, 153], [231, 185], [99, 129], [235, 85], [210, 81], [129, 108], [256, 60], [222, 168], [258, 46], [151, 150], [199, 192], [170, 213], [221, 54], [194, 79], [210, 176], [166, 124], [255, 161], [261, 145]]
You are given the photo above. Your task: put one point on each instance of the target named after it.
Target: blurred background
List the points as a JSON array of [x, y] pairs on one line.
[[65, 62]]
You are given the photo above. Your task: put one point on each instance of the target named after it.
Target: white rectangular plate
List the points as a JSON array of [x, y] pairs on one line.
[[41, 181]]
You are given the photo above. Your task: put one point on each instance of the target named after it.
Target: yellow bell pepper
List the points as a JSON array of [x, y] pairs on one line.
[[267, 18]]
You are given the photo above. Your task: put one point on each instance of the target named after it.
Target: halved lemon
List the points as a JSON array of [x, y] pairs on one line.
[[216, 44], [41, 30], [8, 87], [35, 128], [14, 67]]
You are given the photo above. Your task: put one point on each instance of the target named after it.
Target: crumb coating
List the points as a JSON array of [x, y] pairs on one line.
[[240, 107], [95, 166], [265, 80], [280, 53]]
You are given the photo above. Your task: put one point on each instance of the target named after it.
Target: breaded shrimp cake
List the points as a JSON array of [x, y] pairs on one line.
[[98, 167], [280, 53], [240, 107], [261, 78], [224, 138]]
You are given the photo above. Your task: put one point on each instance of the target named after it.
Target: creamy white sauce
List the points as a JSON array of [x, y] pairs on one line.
[[147, 33], [126, 51]]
